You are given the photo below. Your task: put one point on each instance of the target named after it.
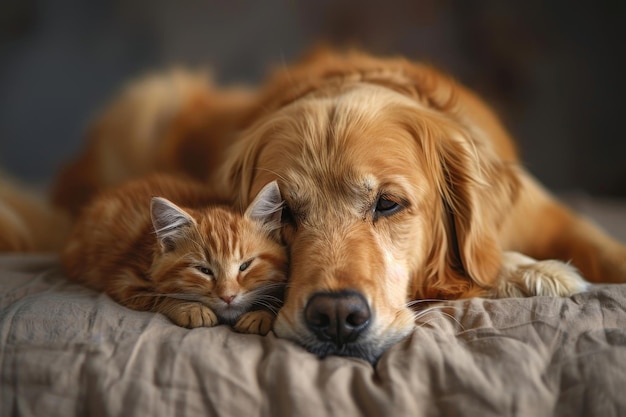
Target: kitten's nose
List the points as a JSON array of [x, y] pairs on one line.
[[337, 317], [228, 298]]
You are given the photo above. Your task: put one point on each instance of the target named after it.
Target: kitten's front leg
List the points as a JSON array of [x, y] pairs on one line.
[[190, 315], [255, 322]]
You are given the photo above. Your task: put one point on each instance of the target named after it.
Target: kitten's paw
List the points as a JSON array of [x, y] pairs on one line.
[[255, 322], [192, 315], [522, 276]]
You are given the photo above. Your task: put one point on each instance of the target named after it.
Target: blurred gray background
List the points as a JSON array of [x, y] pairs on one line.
[[553, 70]]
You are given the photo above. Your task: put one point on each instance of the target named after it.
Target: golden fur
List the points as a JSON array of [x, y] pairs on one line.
[[170, 123], [400, 185]]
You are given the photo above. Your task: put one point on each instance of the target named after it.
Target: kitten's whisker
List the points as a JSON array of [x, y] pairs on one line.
[[267, 301], [274, 303], [139, 295], [270, 307], [185, 297], [179, 296], [268, 297], [277, 303], [263, 291], [267, 290], [270, 284]]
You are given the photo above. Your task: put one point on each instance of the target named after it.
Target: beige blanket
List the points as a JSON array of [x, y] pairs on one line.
[[68, 351]]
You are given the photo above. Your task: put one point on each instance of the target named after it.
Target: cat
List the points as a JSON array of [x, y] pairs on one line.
[[164, 244]]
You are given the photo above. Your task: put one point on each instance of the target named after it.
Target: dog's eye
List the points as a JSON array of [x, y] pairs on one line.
[[386, 206]]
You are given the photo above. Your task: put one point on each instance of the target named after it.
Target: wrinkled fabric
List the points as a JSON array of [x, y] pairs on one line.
[[68, 351]]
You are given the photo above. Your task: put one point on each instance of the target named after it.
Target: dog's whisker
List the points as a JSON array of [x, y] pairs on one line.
[[418, 316], [423, 324], [424, 300], [432, 309]]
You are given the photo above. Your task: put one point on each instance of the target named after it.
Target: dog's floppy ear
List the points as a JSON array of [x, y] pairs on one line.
[[476, 189]]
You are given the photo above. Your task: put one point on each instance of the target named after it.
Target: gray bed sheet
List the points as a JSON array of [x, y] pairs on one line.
[[68, 351]]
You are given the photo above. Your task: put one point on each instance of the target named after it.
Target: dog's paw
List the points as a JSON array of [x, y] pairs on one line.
[[522, 276], [255, 322], [191, 315]]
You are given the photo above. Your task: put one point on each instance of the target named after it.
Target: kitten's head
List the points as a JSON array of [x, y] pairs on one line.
[[230, 262]]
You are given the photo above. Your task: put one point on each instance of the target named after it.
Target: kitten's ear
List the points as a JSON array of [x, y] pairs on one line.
[[169, 222], [267, 206]]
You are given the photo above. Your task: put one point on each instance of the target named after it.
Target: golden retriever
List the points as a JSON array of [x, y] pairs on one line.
[[399, 185]]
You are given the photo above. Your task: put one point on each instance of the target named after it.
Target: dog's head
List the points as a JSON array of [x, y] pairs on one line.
[[391, 193]]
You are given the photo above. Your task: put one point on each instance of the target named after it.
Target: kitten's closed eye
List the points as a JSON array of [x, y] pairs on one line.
[[245, 265], [204, 270]]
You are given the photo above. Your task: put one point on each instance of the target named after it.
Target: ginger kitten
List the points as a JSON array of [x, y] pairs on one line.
[[163, 244]]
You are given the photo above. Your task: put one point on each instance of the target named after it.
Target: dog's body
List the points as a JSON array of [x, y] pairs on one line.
[[399, 185]]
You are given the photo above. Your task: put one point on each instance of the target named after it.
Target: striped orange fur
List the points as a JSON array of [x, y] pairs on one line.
[[166, 245]]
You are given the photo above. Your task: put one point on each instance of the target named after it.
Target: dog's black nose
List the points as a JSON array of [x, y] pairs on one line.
[[337, 317]]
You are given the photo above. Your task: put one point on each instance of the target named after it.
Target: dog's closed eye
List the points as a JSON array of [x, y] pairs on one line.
[[387, 205]]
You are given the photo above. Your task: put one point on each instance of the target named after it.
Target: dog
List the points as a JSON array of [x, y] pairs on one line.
[[399, 185]]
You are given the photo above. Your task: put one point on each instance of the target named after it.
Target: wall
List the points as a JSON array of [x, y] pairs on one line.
[[551, 70]]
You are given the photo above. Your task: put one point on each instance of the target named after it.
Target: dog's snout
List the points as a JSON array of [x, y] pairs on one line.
[[337, 317]]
